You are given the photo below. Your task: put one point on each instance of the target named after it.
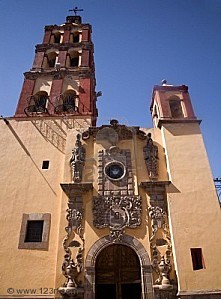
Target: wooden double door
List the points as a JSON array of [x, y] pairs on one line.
[[118, 273]]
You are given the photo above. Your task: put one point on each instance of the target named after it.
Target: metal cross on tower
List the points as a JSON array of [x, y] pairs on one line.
[[75, 10]]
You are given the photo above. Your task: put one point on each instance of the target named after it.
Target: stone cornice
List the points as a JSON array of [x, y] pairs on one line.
[[178, 121], [64, 47], [153, 186], [74, 189], [82, 72]]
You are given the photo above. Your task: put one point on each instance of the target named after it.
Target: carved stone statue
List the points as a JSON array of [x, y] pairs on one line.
[[151, 158], [77, 160]]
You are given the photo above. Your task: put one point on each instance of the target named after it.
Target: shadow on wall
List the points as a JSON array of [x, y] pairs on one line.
[[27, 152], [183, 129]]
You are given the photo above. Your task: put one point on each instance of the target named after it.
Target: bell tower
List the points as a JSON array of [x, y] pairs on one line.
[[171, 104], [61, 81]]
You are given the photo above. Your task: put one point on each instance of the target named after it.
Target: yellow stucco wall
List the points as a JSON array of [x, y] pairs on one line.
[[27, 188]]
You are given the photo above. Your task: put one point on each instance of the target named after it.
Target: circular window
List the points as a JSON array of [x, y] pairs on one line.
[[115, 170]]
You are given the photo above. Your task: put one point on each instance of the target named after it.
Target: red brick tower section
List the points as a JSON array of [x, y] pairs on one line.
[[61, 81], [171, 104]]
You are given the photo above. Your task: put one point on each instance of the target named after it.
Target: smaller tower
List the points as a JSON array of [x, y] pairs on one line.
[[191, 196], [171, 104], [61, 81]]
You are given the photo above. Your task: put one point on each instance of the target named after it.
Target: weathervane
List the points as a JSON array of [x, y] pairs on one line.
[[75, 10]]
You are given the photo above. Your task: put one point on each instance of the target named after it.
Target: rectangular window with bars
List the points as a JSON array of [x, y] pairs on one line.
[[34, 231]]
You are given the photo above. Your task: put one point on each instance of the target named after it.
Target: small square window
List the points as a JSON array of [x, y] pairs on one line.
[[45, 164], [34, 231], [197, 258]]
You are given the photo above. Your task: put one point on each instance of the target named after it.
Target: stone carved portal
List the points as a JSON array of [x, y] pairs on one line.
[[117, 273], [128, 252]]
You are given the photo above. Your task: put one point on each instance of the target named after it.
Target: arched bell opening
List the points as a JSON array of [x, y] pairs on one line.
[[37, 103], [67, 102]]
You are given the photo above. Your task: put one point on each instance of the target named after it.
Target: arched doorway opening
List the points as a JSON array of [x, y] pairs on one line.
[[117, 273]]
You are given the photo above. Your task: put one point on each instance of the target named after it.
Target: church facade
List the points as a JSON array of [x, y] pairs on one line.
[[112, 212]]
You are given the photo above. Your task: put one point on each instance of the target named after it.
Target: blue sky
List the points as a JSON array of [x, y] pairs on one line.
[[137, 44]]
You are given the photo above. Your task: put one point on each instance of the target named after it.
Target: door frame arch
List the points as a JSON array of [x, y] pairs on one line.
[[145, 265]]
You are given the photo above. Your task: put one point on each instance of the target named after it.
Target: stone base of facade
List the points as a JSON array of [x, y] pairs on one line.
[[165, 293], [200, 295]]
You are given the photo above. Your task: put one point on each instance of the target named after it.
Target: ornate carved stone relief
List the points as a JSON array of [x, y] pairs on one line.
[[116, 207], [71, 268], [151, 158], [158, 220], [113, 132], [160, 241], [74, 242], [160, 245], [77, 160], [117, 213], [115, 172], [161, 263]]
